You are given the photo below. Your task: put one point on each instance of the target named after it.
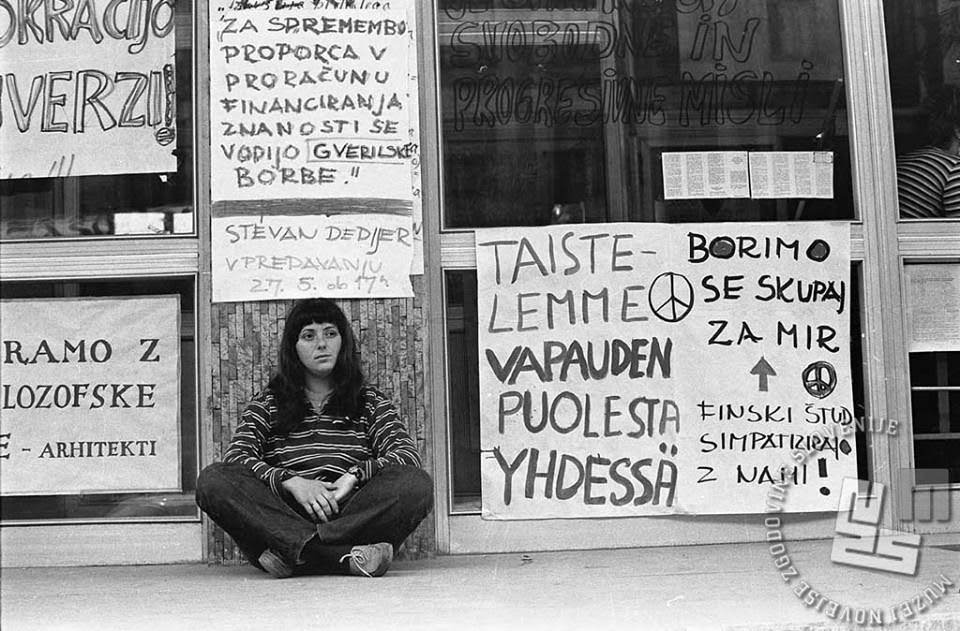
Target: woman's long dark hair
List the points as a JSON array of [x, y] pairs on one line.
[[288, 383]]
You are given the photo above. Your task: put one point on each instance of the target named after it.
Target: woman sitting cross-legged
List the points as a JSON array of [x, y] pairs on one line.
[[321, 476]]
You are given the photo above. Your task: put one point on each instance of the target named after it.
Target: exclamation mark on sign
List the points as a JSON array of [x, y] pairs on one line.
[[163, 100], [170, 88], [822, 467]]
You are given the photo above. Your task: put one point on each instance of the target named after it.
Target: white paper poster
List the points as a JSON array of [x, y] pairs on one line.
[[89, 88], [933, 307], [640, 369], [90, 395], [310, 104], [354, 133], [785, 174], [270, 257], [705, 175], [742, 174]]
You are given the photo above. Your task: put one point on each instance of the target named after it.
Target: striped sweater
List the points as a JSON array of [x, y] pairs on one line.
[[928, 181], [321, 447]]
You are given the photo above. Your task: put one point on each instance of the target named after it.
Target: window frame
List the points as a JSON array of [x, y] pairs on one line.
[[879, 242], [120, 257], [191, 326], [68, 187]]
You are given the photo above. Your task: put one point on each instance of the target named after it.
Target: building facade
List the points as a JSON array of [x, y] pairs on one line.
[[528, 113]]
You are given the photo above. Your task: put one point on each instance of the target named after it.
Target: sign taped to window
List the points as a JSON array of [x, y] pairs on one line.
[[93, 95], [90, 395], [644, 369]]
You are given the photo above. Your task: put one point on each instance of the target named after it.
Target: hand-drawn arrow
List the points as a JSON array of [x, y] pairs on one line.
[[763, 370]]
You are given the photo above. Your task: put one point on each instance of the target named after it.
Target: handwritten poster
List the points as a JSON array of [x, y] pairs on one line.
[[308, 104], [89, 395], [758, 40], [269, 257], [89, 88], [641, 369]]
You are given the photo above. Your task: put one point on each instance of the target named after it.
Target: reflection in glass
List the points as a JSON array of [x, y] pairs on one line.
[[561, 111], [923, 43]]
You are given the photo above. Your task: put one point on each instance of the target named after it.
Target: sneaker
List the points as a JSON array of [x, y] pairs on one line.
[[276, 567], [370, 560]]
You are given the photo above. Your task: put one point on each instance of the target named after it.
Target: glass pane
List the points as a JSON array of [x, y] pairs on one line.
[[923, 44], [561, 111], [102, 205], [123, 505], [935, 369], [953, 412], [938, 454], [464, 388], [935, 406], [925, 406], [936, 412], [923, 369]]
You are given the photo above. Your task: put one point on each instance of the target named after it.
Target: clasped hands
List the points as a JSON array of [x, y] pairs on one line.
[[321, 500]]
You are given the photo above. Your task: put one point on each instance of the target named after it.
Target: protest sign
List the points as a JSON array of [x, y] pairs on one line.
[[89, 88], [312, 105], [641, 369], [89, 395], [269, 257], [308, 104]]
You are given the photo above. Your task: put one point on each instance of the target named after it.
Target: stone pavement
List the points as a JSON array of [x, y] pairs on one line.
[[733, 586]]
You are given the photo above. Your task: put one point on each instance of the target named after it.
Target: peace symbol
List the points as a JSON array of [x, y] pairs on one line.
[[819, 379], [671, 296]]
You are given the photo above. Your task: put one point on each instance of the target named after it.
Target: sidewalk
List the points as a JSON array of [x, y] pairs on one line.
[[693, 587]]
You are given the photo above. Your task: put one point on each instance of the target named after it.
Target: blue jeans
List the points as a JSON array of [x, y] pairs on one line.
[[385, 509]]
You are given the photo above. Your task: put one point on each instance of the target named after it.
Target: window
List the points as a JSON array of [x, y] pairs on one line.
[[935, 394], [104, 205], [925, 90], [564, 111], [561, 111], [53, 227], [933, 313], [112, 506], [464, 387], [923, 38]]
